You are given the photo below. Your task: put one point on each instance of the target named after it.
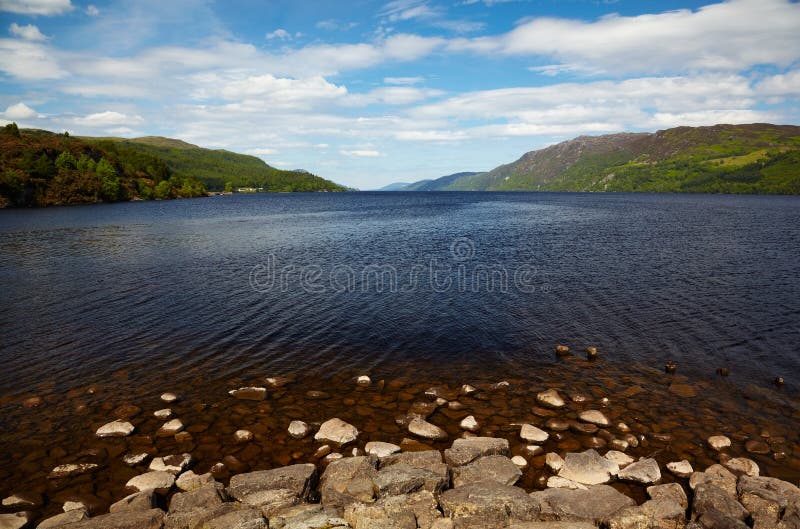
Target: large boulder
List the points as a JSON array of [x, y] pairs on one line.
[[644, 471], [188, 510], [418, 510], [709, 497], [767, 499], [238, 519], [307, 516], [716, 475], [430, 460], [671, 491], [488, 501], [422, 428], [588, 468], [60, 520], [489, 468], [138, 501], [595, 503], [663, 513], [158, 480], [348, 480], [152, 519], [402, 479], [256, 488], [467, 450]]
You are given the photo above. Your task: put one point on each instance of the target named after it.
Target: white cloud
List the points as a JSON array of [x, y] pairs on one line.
[[421, 10], [108, 118], [787, 84], [262, 151], [19, 111], [393, 95], [28, 60], [92, 10], [27, 32], [361, 153], [279, 33], [335, 25], [403, 80], [36, 7], [732, 35]]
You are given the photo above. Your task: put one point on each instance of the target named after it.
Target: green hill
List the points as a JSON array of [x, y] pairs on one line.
[[214, 168], [756, 158]]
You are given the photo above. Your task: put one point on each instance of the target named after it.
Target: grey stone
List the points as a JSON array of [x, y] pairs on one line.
[[138, 501], [381, 449], [717, 475], [422, 428], [532, 434], [768, 500], [299, 429], [174, 464], [300, 479], [336, 431], [239, 519], [16, 501], [343, 481], [190, 481], [588, 468], [116, 428], [211, 495], [488, 468], [717, 520], [16, 520], [663, 513], [397, 512], [595, 503], [402, 479], [682, 469], [643, 471], [487, 501], [742, 466], [671, 491], [709, 497], [619, 458], [552, 525], [467, 450], [554, 462], [159, 481], [594, 417], [152, 519]]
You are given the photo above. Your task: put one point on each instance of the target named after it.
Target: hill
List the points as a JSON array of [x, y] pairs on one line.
[[756, 158], [397, 186], [216, 168], [41, 168]]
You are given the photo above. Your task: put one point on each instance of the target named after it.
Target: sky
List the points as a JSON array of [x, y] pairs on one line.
[[367, 93]]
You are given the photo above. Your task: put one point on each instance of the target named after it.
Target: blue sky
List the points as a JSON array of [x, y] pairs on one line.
[[367, 93]]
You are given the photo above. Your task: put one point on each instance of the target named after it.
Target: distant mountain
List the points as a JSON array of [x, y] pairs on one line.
[[216, 167], [439, 184], [756, 158], [397, 186]]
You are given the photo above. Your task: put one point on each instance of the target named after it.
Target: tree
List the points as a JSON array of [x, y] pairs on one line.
[[229, 187], [66, 160], [163, 190], [11, 129]]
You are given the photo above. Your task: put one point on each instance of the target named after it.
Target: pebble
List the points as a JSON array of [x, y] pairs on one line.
[[742, 465], [619, 458], [719, 442], [591, 353], [249, 393], [381, 449], [243, 436], [520, 461], [469, 423], [299, 429], [557, 482], [336, 431], [554, 462], [682, 469], [422, 428], [166, 413], [534, 450], [562, 350], [466, 389], [115, 429], [157, 480], [594, 417], [363, 380], [170, 428], [169, 397], [33, 402], [618, 444], [135, 459], [551, 398], [174, 464], [532, 434]]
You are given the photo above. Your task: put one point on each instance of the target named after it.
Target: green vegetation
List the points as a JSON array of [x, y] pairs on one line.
[[40, 168], [757, 158], [217, 168]]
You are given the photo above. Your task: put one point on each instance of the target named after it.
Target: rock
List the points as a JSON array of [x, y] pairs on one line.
[[116, 428], [550, 398], [189, 481], [466, 389], [183, 438], [332, 457], [249, 393], [643, 471], [60, 520], [395, 512], [683, 390], [243, 436], [174, 464], [169, 397], [557, 425], [654, 514], [404, 479], [152, 519], [430, 460], [716, 475], [562, 350], [299, 429], [469, 423], [717, 520], [166, 413], [555, 482], [343, 481], [554, 462], [588, 468], [520, 461], [594, 417], [138, 501], [742, 466], [238, 519], [465, 451], [479, 504], [769, 500], [71, 469], [682, 469], [16, 520], [206, 497], [532, 434], [489, 468], [381, 449], [534, 450], [552, 525], [619, 458], [250, 488], [18, 501], [159, 481], [618, 445], [170, 428], [135, 459], [422, 428], [363, 380], [709, 497], [595, 503], [670, 491], [33, 402], [757, 447], [74, 506], [719, 442], [336, 431]]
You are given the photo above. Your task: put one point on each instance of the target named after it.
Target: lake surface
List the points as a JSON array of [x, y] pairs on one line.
[[706, 281], [104, 308]]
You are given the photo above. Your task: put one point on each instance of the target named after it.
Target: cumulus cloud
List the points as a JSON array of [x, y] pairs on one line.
[[107, 119], [279, 33], [19, 111], [92, 10], [393, 95], [36, 7], [27, 32], [28, 61]]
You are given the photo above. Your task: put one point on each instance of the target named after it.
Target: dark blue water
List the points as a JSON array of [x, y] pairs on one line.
[[329, 282]]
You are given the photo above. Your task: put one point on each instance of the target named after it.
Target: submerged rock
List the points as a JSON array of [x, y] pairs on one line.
[[422, 428], [336, 431], [249, 393], [469, 423], [551, 398], [594, 417], [719, 442], [299, 429], [71, 469], [243, 436], [116, 428], [532, 434]]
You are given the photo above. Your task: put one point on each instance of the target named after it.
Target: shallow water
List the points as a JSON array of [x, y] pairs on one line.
[[198, 297]]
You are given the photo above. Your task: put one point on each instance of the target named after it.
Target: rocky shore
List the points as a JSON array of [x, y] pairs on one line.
[[572, 461]]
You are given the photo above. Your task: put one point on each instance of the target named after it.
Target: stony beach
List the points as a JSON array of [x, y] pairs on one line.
[[645, 449]]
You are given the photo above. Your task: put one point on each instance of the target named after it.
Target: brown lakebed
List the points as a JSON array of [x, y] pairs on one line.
[[671, 417]]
